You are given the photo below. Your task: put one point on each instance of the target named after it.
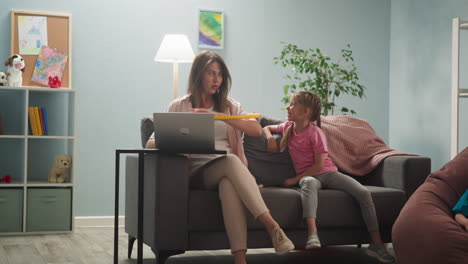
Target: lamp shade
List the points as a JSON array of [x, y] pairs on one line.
[[175, 48]]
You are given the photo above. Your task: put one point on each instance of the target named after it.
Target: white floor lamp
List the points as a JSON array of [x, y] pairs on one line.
[[175, 48]]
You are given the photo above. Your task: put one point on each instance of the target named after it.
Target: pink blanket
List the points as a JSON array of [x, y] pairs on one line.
[[353, 145]]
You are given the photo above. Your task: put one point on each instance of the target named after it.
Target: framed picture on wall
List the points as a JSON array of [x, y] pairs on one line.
[[210, 29]]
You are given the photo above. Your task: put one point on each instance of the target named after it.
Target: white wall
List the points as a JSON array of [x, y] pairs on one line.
[[420, 77]]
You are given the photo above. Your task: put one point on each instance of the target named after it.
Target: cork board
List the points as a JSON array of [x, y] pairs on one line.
[[58, 35]]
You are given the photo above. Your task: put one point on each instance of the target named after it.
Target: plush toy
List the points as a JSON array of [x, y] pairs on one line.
[[6, 178], [3, 79], [59, 172], [15, 68], [55, 82]]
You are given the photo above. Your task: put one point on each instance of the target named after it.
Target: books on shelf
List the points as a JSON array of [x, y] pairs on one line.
[[44, 121], [32, 121], [38, 121]]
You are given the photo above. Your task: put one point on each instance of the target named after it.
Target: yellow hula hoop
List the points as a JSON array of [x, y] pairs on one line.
[[226, 117]]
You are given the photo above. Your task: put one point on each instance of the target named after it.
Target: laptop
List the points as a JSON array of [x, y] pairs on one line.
[[186, 133]]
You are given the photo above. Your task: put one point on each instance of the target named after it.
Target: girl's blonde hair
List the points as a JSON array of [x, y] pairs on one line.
[[195, 88], [309, 100]]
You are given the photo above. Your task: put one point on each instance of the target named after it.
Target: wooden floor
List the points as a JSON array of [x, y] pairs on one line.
[[94, 245]]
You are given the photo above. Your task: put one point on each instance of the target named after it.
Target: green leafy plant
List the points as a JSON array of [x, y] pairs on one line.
[[314, 71]]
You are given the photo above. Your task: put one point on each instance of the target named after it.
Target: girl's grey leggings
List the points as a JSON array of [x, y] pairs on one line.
[[337, 181]]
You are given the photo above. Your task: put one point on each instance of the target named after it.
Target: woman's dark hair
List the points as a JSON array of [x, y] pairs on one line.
[[199, 65]]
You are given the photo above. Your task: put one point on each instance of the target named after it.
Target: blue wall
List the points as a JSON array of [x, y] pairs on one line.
[[114, 43], [420, 77]]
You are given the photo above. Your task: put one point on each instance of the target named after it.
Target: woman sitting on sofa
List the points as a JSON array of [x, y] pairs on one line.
[[209, 85]]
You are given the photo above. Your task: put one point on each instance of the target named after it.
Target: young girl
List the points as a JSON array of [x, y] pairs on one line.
[[461, 211], [307, 146]]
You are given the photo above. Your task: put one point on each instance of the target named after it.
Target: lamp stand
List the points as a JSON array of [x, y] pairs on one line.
[[175, 77]]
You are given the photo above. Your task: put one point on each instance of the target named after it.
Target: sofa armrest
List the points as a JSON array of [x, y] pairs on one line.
[[405, 173], [166, 189]]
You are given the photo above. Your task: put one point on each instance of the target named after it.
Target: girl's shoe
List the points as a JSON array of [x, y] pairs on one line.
[[313, 241], [380, 252], [281, 242]]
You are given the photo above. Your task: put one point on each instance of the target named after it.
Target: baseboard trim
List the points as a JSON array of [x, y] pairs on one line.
[[97, 221]]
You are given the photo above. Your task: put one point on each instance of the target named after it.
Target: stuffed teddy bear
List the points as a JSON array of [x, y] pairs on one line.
[[15, 68], [3, 79], [59, 172]]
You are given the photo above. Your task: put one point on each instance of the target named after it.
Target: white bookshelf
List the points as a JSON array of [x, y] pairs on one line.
[[28, 159]]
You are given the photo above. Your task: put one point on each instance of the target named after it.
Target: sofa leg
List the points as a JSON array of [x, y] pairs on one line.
[[163, 255], [131, 241], [359, 245]]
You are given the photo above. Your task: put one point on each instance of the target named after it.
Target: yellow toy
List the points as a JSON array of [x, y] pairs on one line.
[[226, 117]]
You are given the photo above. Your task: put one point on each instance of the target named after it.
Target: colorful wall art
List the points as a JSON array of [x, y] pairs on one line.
[[210, 29], [50, 62], [32, 34]]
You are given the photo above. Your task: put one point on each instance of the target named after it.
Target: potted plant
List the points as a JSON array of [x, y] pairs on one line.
[[314, 71]]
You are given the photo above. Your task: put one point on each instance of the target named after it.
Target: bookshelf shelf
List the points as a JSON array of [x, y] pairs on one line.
[[50, 90], [11, 185], [11, 136], [28, 158], [38, 89], [50, 137], [46, 184]]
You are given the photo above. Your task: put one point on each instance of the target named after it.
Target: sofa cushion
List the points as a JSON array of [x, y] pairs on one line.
[[146, 129], [266, 121], [268, 168], [335, 209]]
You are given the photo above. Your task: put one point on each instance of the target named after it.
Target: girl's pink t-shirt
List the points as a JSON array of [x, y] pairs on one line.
[[303, 147]]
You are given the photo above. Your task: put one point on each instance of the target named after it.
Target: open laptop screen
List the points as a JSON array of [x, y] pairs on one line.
[[185, 132]]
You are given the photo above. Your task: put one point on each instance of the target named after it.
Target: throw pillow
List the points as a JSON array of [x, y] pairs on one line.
[[266, 121], [146, 129], [268, 168]]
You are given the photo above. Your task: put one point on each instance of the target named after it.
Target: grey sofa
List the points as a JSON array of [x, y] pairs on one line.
[[178, 217]]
